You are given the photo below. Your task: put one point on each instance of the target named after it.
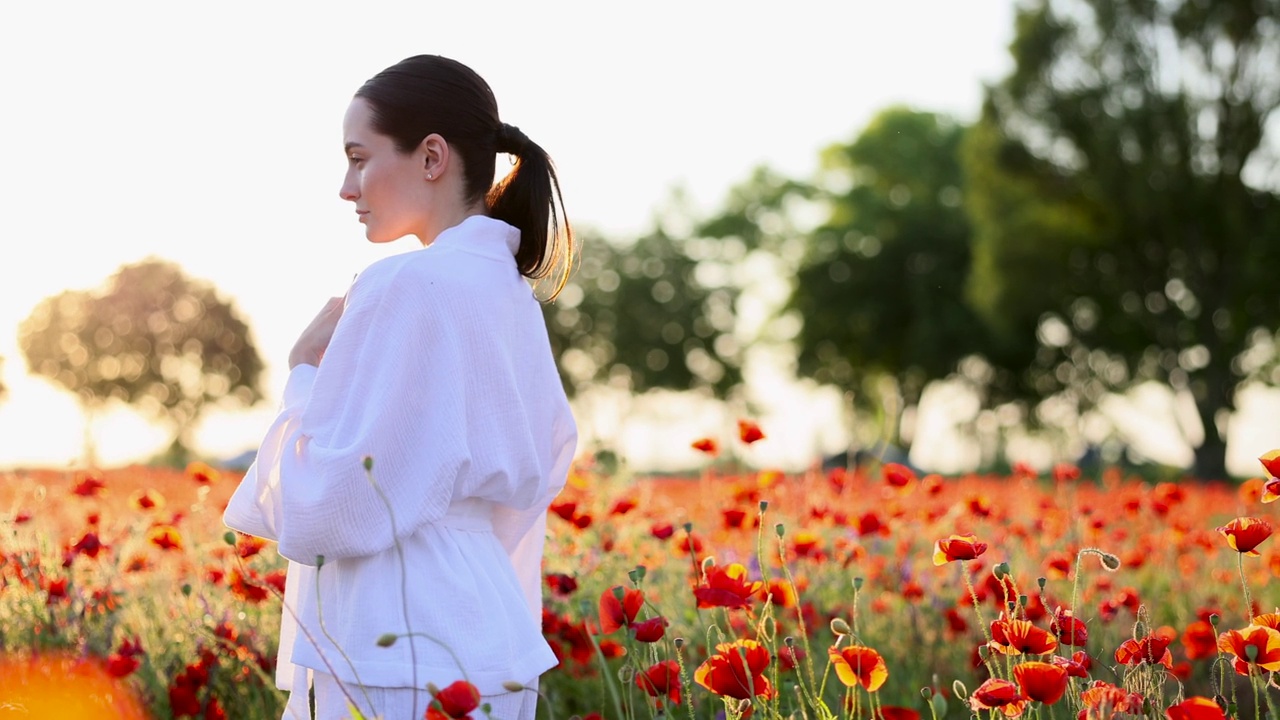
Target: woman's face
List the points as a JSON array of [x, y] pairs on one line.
[[390, 189]]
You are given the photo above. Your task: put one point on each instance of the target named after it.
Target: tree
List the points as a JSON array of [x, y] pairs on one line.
[[153, 338], [639, 312], [1124, 198], [881, 287]]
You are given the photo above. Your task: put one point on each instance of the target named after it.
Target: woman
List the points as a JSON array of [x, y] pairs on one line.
[[424, 429]]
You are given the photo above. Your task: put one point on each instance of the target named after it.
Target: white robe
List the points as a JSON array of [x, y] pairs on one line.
[[439, 370]]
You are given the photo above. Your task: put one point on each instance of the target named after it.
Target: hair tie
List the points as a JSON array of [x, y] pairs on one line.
[[511, 140]]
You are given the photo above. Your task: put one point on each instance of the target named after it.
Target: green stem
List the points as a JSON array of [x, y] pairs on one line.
[[1248, 603]]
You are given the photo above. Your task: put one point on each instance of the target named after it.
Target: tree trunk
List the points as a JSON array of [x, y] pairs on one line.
[[1214, 395]]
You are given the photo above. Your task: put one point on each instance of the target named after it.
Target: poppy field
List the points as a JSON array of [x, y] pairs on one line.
[[873, 592]]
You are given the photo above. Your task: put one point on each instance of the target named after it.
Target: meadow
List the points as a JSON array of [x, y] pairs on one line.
[[862, 593]]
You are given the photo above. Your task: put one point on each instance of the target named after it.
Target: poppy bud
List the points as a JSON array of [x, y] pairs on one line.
[[764, 505], [512, 686], [386, 640], [368, 463], [229, 537], [840, 627], [679, 643], [708, 562], [857, 584], [433, 688], [1041, 581], [789, 641], [1251, 652], [780, 529], [926, 693], [1000, 570], [319, 561], [959, 689], [626, 674], [1110, 562]]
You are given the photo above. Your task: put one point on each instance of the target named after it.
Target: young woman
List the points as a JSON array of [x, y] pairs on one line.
[[424, 429]]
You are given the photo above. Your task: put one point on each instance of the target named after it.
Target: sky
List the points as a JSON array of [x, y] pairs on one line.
[[210, 135]]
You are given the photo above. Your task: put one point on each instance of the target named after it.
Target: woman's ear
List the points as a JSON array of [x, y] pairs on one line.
[[434, 152]]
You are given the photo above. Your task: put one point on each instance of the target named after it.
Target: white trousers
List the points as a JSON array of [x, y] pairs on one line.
[[394, 703]]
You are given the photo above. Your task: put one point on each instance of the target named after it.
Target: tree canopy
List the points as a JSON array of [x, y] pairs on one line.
[[1122, 188], [153, 338]]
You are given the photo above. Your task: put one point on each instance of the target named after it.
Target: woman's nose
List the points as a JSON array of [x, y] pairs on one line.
[[349, 190]]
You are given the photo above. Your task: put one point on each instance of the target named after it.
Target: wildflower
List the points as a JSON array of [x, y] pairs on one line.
[[1153, 648], [706, 445], [957, 547], [1200, 641], [893, 712], [1195, 708], [736, 670], [1069, 630], [1100, 696], [650, 630], [245, 590], [661, 679], [619, 607], [1078, 665], [858, 665], [146, 500], [249, 545], [733, 517], [1017, 637], [726, 587], [662, 531], [1065, 472], [90, 486], [1245, 533], [88, 545], [1271, 620], [1255, 645], [202, 473], [897, 475], [165, 537], [789, 657], [454, 702], [1041, 681], [1271, 490], [561, 584], [1000, 694], [749, 431], [1271, 463], [780, 593], [622, 507]]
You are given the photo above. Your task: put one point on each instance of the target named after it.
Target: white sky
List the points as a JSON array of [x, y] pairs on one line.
[[212, 137]]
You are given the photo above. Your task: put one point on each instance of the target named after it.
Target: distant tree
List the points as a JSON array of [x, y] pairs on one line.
[[881, 287], [154, 339], [1122, 187], [639, 313]]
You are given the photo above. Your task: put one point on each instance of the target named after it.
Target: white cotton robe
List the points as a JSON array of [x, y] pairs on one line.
[[440, 370]]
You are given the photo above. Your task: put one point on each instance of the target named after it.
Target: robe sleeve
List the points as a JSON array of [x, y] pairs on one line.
[[386, 389]]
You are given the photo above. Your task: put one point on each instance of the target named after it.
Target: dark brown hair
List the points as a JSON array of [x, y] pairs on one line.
[[428, 94]]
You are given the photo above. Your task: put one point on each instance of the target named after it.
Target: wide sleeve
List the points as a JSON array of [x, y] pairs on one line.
[[386, 389]]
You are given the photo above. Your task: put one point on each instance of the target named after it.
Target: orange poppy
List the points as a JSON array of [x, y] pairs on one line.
[[165, 537], [957, 547], [1264, 642], [1271, 620], [897, 475], [858, 665], [749, 431], [1200, 641], [780, 592], [202, 473], [1245, 533], [1271, 490], [736, 670], [727, 587], [1151, 649], [997, 693], [1195, 708], [1271, 463], [1019, 637], [1101, 694], [1041, 681], [619, 607]]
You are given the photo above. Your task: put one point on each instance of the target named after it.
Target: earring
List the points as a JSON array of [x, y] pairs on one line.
[[428, 176]]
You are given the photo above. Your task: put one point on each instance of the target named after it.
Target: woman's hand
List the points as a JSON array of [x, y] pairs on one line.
[[314, 340]]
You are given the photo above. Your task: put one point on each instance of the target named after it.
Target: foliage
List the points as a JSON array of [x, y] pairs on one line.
[[881, 289], [1122, 208], [153, 338], [645, 314]]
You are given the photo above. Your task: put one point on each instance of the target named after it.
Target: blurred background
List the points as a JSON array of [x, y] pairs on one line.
[[962, 234]]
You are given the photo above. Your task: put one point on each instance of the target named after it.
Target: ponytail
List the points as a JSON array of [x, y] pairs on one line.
[[524, 199]]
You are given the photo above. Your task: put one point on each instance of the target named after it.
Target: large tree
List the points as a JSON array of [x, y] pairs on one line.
[[881, 288], [1122, 185], [153, 338]]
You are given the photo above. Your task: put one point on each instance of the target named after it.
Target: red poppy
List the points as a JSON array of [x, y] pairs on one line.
[[789, 657], [120, 665], [245, 590], [706, 445], [622, 507], [650, 630], [454, 702], [736, 670], [1262, 640], [1000, 694], [1195, 708], [780, 592], [1018, 637], [858, 665], [1041, 681], [733, 517], [957, 547], [1151, 649], [661, 679], [1271, 620], [893, 712], [1077, 665], [1069, 630], [89, 545], [23, 516], [564, 509], [662, 531], [897, 475], [91, 485], [249, 545], [749, 431], [146, 500], [1271, 490], [561, 584], [1063, 472], [1245, 533], [1200, 641], [619, 607], [727, 587], [1101, 694], [202, 473]]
